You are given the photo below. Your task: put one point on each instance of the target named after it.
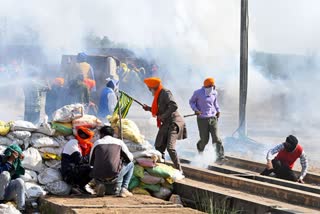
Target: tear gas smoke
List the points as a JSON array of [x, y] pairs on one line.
[[191, 40]]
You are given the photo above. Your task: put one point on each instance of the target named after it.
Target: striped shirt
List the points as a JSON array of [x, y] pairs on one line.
[[303, 159]]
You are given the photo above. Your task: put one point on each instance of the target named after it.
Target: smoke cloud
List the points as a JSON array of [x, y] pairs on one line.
[[192, 40]]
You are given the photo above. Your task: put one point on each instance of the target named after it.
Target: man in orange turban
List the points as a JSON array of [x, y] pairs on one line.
[[204, 103], [170, 123], [75, 168]]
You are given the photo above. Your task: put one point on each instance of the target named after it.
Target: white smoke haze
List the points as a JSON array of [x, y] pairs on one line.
[[192, 40]]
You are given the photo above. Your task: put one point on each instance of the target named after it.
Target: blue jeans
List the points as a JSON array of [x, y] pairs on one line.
[[12, 189], [124, 176]]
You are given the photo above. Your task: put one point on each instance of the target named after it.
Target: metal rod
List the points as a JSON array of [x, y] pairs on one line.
[[120, 118], [189, 115], [135, 100]]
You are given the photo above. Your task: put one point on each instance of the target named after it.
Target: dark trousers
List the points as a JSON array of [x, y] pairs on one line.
[[206, 127], [78, 176], [281, 171], [166, 139]]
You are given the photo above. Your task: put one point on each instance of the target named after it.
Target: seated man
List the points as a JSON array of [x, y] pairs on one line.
[[287, 154], [11, 187], [75, 166], [112, 163]]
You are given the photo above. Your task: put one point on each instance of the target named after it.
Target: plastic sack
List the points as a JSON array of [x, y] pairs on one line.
[[163, 193], [32, 160], [54, 164], [62, 128], [2, 149], [151, 187], [140, 191], [21, 125], [130, 130], [138, 171], [61, 140], [60, 188], [34, 190], [29, 176], [39, 140], [26, 143], [49, 175], [50, 156], [149, 179], [56, 151], [8, 209], [146, 162], [68, 113], [177, 176], [5, 141], [153, 154], [45, 128], [138, 147], [167, 185], [21, 135], [88, 121], [134, 182], [162, 170], [4, 128]]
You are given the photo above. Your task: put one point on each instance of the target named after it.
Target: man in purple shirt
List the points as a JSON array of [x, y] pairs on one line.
[[205, 104]]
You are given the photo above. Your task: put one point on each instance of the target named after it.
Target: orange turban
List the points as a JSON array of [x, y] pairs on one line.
[[58, 81], [208, 82], [89, 83], [152, 82]]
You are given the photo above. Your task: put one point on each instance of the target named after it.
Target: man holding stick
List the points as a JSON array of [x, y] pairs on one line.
[[205, 105], [171, 125]]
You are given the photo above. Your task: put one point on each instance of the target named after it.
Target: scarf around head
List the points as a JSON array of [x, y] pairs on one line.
[[19, 170], [154, 108], [85, 144]]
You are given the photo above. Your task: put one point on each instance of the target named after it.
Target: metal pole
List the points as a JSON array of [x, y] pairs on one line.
[[243, 68]]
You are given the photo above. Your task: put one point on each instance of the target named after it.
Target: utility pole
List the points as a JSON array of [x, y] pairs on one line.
[[243, 68]]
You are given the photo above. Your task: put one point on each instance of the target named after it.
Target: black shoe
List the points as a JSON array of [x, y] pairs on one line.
[[199, 150], [77, 191]]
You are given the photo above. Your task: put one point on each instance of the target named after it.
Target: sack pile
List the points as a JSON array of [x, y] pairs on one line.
[[153, 178], [42, 147]]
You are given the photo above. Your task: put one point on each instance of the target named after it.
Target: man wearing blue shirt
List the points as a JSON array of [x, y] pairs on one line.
[[205, 105]]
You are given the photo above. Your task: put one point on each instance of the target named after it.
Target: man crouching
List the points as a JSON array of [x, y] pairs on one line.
[[12, 187], [112, 164]]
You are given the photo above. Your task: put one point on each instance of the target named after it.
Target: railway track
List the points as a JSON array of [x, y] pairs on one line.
[[238, 180]]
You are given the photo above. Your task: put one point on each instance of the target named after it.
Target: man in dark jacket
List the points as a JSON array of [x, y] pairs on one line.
[[55, 97], [12, 187], [170, 123], [112, 164], [78, 92]]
